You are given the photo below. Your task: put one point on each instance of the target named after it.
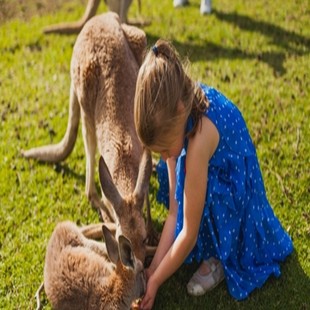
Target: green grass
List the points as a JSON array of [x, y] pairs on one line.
[[256, 52]]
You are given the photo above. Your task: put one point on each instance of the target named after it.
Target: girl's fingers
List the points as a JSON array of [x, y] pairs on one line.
[[145, 304]]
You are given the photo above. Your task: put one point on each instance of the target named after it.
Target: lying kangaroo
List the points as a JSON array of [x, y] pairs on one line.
[[118, 6], [84, 274], [104, 67]]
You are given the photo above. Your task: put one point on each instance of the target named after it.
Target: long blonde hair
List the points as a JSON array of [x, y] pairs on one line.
[[162, 84]]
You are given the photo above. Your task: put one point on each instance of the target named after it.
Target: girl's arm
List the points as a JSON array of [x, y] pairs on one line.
[[200, 149], [167, 236]]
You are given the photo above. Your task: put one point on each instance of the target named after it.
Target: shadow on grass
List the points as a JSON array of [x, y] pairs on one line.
[[279, 36], [290, 42], [208, 51], [63, 169], [289, 291]]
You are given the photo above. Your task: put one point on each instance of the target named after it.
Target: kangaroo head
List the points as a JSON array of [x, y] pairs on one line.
[[128, 210], [121, 252]]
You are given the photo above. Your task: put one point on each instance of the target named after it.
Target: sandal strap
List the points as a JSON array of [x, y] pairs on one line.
[[212, 263]]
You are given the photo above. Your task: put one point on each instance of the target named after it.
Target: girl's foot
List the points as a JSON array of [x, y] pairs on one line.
[[208, 276]]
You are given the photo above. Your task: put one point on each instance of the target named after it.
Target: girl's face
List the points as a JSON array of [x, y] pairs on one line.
[[173, 142], [172, 149]]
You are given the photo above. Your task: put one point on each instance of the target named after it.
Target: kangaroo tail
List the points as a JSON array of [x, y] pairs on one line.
[[75, 27], [58, 152]]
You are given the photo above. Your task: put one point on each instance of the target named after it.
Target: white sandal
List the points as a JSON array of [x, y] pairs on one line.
[[199, 284]]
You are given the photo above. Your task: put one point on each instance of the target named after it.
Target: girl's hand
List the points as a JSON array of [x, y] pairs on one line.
[[149, 297]]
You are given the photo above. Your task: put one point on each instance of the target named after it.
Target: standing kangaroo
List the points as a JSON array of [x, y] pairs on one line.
[[84, 274], [120, 7], [104, 67]]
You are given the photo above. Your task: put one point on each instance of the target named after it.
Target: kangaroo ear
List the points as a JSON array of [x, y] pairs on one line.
[[125, 251], [108, 186], [111, 245], [145, 170], [136, 39]]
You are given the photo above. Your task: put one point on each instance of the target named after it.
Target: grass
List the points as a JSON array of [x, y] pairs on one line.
[[255, 52]]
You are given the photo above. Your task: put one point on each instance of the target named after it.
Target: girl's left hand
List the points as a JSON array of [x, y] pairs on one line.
[[149, 297]]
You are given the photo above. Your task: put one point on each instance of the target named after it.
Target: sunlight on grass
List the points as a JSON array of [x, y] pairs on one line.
[[256, 52]]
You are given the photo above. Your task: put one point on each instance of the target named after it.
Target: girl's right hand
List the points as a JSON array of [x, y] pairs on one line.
[[150, 294]]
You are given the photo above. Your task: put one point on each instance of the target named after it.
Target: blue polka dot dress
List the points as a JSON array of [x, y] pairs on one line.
[[238, 226]]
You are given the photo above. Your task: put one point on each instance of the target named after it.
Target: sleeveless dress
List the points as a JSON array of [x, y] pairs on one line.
[[238, 225]]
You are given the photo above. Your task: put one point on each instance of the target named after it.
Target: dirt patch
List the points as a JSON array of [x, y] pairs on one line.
[[25, 9]]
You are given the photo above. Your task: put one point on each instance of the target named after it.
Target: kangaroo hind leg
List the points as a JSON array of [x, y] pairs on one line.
[[75, 27]]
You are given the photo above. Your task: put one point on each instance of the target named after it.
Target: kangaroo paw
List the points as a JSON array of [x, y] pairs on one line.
[[152, 236], [103, 212]]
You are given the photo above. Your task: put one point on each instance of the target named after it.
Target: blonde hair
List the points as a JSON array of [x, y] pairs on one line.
[[162, 84]]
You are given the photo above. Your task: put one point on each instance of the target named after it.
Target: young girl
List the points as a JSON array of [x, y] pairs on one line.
[[219, 214]]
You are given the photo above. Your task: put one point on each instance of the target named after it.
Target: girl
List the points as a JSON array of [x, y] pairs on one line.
[[219, 214]]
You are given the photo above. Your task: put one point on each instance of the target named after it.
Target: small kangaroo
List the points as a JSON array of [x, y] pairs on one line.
[[80, 273], [104, 67], [120, 7]]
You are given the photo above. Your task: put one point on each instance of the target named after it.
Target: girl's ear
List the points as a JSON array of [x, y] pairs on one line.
[[136, 39], [181, 107]]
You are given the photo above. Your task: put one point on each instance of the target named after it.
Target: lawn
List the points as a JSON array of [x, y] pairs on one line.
[[256, 52]]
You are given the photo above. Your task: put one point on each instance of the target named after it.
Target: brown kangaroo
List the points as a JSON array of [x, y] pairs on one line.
[[104, 67], [84, 274]]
